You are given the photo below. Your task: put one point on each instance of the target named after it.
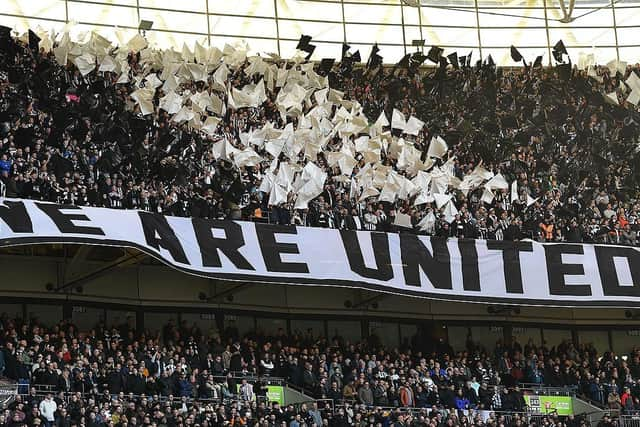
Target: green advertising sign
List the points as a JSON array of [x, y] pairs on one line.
[[275, 393], [539, 404]]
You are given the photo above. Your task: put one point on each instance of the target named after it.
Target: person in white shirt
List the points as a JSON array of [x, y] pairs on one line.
[[48, 408], [246, 391]]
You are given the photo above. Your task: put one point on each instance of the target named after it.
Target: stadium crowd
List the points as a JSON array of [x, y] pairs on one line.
[[78, 138], [182, 376]]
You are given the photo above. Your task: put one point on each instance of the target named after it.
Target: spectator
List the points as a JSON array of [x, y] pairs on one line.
[[48, 408], [105, 151]]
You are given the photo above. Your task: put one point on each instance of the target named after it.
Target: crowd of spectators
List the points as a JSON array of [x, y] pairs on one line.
[[181, 376], [80, 139]]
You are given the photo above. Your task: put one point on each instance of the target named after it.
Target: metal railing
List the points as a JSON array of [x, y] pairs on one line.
[[507, 417], [533, 388], [629, 420], [8, 391], [327, 406], [41, 391]]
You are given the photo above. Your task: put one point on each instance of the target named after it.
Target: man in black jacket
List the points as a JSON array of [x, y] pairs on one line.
[[519, 404], [136, 383]]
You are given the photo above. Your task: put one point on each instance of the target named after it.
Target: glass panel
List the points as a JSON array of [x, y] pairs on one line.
[[487, 336], [493, 37], [523, 335], [583, 36], [104, 15], [155, 322], [374, 33], [372, 14], [323, 50], [238, 326], [49, 315], [120, 318], [412, 33], [301, 327], [407, 333], [630, 54], [255, 45], [185, 5], [604, 55], [502, 56], [175, 40], [628, 15], [463, 17], [23, 24], [599, 339], [116, 2], [46, 9], [206, 322], [347, 330], [445, 37], [553, 337], [512, 18], [391, 54], [385, 333], [310, 10], [411, 15], [327, 50], [175, 21], [242, 7], [625, 341], [255, 27], [11, 311], [270, 326], [87, 318], [627, 36], [317, 30]]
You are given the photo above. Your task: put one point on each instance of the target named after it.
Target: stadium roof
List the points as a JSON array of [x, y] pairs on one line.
[[607, 28]]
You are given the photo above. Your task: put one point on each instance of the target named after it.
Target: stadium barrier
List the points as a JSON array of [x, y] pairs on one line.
[[629, 420]]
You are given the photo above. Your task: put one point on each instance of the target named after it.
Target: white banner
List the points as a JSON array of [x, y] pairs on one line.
[[531, 273]]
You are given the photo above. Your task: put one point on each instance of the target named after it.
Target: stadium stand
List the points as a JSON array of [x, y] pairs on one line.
[[533, 152], [466, 151], [178, 376]]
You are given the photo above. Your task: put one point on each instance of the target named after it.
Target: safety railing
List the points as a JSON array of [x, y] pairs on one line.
[[629, 420], [326, 406], [540, 389], [41, 390], [333, 406], [173, 400], [8, 391]]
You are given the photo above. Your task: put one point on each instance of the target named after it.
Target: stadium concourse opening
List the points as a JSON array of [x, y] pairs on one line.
[[374, 223]]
